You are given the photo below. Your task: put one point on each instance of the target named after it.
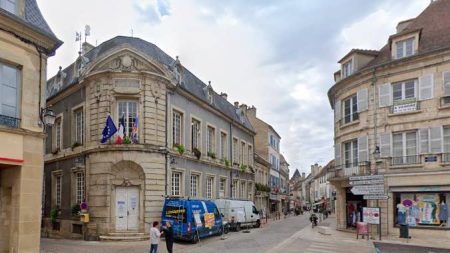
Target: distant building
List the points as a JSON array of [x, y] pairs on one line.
[[26, 42]]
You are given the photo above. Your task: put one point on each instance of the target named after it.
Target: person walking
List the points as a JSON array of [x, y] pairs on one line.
[[168, 234], [155, 234]]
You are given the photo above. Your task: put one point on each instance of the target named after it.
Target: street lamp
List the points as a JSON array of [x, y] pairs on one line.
[[47, 117], [376, 153]]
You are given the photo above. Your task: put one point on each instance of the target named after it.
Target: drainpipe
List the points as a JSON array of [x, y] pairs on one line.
[[375, 133], [231, 159], [166, 151]]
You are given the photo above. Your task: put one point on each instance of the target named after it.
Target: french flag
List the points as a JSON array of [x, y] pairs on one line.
[[121, 129]]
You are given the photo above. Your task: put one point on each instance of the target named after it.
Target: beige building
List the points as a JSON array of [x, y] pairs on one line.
[[392, 117], [262, 170], [26, 42]]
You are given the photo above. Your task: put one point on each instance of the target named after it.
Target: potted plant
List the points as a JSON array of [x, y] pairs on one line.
[[75, 144], [243, 167], [212, 155], [226, 162], [197, 153], [54, 213], [180, 148], [126, 140], [76, 211]]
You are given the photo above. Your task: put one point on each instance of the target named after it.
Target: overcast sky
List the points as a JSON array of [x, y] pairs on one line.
[[279, 56]]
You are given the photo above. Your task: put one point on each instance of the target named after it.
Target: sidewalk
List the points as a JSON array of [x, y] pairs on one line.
[[436, 239], [310, 240]]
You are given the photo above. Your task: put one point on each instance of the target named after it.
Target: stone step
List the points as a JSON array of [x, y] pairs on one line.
[[125, 236]]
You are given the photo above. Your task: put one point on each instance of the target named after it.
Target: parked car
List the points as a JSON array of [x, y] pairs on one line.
[[192, 219], [239, 213]]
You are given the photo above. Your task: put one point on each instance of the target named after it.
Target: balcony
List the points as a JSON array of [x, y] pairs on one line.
[[9, 121], [353, 169], [405, 160]]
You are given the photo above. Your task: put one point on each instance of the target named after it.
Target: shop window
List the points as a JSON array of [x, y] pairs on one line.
[[422, 209]]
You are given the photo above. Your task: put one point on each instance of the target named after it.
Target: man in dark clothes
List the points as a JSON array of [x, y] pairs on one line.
[[168, 232]]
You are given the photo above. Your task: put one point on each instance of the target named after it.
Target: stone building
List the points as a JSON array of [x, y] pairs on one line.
[[26, 41], [392, 118], [296, 189], [262, 170], [181, 139], [267, 145], [284, 183]]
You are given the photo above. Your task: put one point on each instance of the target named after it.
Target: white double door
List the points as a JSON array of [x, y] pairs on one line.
[[127, 208]]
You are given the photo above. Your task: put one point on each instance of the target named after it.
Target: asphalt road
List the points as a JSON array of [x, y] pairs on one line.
[[401, 248]]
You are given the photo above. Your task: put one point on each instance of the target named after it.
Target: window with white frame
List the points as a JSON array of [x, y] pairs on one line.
[[58, 133], [351, 154], [404, 48], [222, 187], [351, 109], [250, 155], [250, 191], [347, 68], [242, 190], [235, 150], [10, 94], [195, 180], [195, 134], [58, 190], [129, 111], [404, 90], [223, 145], [404, 148], [210, 139], [210, 187], [446, 139], [9, 5], [235, 189], [79, 182], [176, 183], [243, 151], [177, 127], [79, 125]]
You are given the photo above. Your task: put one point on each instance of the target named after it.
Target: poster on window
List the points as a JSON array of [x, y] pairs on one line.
[[198, 221], [405, 105], [209, 220], [418, 209]]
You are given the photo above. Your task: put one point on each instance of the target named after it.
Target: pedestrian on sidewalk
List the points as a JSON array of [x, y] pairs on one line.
[[155, 234], [168, 234]]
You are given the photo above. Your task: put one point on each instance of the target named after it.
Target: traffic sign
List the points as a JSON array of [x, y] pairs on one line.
[[369, 187], [367, 182], [378, 196], [366, 191]]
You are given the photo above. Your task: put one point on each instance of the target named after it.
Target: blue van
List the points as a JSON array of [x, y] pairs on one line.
[[192, 218]]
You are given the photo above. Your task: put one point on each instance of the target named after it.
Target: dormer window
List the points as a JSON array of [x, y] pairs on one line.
[[210, 96], [347, 68], [404, 48], [9, 5]]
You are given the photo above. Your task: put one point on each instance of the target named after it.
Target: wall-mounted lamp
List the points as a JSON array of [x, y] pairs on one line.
[[47, 117], [376, 153]]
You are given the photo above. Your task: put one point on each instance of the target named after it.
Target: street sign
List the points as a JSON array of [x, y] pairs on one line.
[[371, 177], [371, 215], [374, 197], [366, 192], [367, 182], [368, 187]]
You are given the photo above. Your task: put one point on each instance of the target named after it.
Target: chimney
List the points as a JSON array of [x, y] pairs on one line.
[[86, 47], [236, 105], [224, 95], [402, 25], [251, 112]]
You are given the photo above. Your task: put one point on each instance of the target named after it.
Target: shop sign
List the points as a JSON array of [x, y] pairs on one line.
[[405, 105], [371, 215]]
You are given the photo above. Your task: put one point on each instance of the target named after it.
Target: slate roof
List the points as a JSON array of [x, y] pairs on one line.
[[434, 25], [33, 18], [360, 51], [191, 83]]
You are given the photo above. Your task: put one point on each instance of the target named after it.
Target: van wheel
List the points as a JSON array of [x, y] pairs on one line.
[[195, 239], [258, 224], [238, 227]]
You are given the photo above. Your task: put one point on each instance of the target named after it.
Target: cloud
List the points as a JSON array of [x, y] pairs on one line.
[[277, 55]]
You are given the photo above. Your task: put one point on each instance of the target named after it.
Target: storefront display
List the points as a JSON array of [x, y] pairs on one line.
[[421, 209]]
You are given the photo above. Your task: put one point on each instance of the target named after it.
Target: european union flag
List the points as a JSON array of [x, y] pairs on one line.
[[109, 130]]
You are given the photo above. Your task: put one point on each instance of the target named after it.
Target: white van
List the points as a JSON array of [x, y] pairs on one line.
[[239, 213]]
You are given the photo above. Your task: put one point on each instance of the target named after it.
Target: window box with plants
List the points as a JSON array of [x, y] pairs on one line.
[[212, 155], [226, 162], [243, 168], [179, 148]]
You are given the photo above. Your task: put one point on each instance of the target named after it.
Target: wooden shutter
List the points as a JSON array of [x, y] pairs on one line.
[[337, 154], [385, 96], [436, 140], [426, 87], [362, 98], [385, 144], [337, 110], [446, 78], [363, 154], [424, 141]]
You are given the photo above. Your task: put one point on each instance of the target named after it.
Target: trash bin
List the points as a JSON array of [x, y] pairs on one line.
[[404, 231]]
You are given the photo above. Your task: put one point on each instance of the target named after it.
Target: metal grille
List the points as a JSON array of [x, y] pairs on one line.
[[9, 121]]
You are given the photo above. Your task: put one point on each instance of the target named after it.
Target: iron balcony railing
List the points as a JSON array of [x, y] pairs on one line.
[[446, 157], [406, 160], [352, 169], [9, 121]]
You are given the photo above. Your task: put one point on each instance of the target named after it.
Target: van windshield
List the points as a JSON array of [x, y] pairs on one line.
[[176, 212]]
